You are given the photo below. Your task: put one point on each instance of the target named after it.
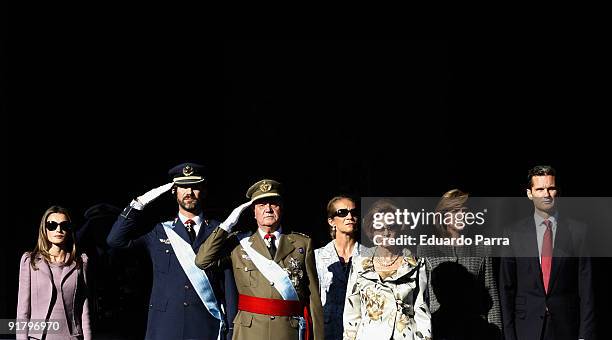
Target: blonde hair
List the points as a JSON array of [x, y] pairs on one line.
[[451, 200], [331, 210], [43, 244]]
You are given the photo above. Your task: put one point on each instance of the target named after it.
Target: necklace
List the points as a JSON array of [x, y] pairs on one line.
[[385, 263]]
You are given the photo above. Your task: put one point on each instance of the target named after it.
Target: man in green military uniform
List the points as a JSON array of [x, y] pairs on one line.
[[274, 270]]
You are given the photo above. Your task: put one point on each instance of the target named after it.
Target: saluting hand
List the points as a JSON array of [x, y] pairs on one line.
[[232, 219], [153, 194]]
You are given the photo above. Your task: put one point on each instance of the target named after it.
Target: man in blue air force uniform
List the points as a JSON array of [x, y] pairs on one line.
[[186, 302]]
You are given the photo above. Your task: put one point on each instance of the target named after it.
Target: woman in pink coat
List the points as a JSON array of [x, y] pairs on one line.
[[52, 283]]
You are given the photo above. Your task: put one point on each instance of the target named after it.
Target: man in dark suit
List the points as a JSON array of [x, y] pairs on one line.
[[186, 302], [545, 284]]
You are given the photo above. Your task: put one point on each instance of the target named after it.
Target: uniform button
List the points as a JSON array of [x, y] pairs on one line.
[[186, 286], [185, 304], [271, 283], [272, 317], [167, 251], [246, 269]]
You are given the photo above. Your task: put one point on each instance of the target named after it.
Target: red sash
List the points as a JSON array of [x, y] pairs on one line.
[[276, 307]]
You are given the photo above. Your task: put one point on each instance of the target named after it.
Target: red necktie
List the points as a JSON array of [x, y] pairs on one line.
[[272, 247], [189, 226], [547, 250]]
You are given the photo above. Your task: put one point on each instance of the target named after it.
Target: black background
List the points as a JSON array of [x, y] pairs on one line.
[[100, 115]]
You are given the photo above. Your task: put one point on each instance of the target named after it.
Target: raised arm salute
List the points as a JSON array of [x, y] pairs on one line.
[[274, 270], [186, 302]]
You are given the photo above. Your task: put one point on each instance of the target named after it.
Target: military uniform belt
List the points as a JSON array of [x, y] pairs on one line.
[[276, 307], [266, 306]]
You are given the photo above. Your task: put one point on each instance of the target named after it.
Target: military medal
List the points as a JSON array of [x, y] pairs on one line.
[[295, 272]]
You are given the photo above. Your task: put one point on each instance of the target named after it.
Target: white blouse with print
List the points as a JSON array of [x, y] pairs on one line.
[[389, 308]]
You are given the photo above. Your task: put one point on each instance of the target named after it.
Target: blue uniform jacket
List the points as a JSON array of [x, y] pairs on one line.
[[175, 309]]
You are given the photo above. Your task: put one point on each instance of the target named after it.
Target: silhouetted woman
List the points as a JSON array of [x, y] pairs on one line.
[[463, 296]]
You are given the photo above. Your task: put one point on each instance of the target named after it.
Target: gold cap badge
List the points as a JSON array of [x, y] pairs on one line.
[[265, 186], [187, 170]]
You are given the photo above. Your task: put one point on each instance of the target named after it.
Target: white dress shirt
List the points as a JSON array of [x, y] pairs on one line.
[[277, 234], [196, 219]]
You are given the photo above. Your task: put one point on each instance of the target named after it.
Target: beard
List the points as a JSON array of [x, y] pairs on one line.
[[192, 206]]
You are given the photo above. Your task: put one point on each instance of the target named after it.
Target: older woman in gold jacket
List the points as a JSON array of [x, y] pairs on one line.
[[384, 297]]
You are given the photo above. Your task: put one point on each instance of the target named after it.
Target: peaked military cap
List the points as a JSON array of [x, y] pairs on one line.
[[187, 174], [264, 188]]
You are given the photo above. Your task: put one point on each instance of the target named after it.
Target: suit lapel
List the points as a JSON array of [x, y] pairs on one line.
[[66, 270], [530, 239], [44, 269], [258, 244], [335, 266], [326, 251], [560, 250], [179, 228], [325, 255], [203, 234], [369, 272], [285, 247], [530, 249]]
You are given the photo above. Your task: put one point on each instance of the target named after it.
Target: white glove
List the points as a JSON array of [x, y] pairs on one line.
[[150, 195], [232, 219]]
